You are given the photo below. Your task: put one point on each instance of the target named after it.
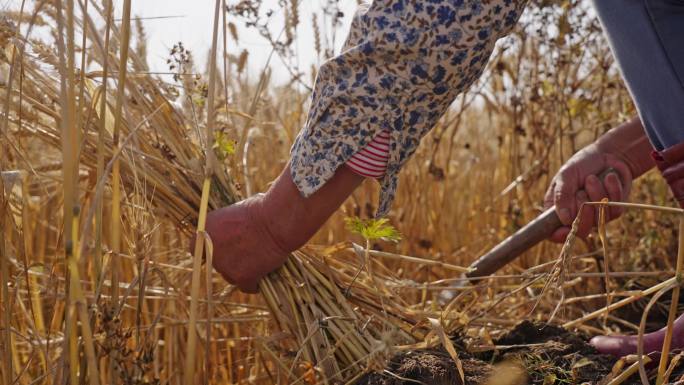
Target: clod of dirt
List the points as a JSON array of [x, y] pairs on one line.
[[432, 367], [552, 354]]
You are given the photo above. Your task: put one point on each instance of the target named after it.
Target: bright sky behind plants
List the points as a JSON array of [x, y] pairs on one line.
[[194, 26], [190, 21]]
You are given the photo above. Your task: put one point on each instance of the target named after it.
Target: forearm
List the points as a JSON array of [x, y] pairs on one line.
[[630, 143], [294, 221]]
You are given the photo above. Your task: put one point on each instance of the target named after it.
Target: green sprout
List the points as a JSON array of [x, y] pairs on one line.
[[370, 229], [223, 145]]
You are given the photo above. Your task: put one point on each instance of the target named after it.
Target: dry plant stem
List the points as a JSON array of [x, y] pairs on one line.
[[642, 332], [99, 187], [643, 293], [673, 365], [604, 246], [7, 363], [421, 261], [662, 367], [67, 104], [672, 210], [81, 77], [558, 274], [190, 359], [365, 262], [625, 374], [86, 360], [210, 307], [69, 166], [79, 306], [34, 297], [621, 303], [101, 130], [116, 170], [115, 265]]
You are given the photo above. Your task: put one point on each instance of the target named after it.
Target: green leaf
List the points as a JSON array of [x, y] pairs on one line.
[[371, 229], [223, 146]]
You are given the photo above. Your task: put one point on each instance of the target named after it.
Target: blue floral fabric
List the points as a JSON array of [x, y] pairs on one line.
[[402, 65]]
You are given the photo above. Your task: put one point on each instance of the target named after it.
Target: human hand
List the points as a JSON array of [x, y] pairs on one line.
[[578, 182], [244, 250], [626, 149], [254, 237]]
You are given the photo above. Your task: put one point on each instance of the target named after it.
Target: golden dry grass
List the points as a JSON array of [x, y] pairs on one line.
[[113, 296]]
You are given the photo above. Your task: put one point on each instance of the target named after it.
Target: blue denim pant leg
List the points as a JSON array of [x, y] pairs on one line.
[[647, 39], [668, 21]]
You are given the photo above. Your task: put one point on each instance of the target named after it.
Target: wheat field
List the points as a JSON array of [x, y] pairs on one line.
[[108, 170]]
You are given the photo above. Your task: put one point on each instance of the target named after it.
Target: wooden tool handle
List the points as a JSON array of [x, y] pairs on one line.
[[534, 232]]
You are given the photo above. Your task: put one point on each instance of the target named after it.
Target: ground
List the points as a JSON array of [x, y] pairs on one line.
[[537, 354]]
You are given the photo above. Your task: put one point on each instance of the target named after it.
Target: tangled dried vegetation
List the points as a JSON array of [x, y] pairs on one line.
[[109, 168]]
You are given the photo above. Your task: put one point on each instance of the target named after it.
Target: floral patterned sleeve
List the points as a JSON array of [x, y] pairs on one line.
[[403, 64]]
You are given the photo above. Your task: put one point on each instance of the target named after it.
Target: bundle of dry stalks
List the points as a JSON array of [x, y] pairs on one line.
[[344, 321]]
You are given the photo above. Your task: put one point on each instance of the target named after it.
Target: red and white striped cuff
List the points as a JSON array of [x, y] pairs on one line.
[[371, 161]]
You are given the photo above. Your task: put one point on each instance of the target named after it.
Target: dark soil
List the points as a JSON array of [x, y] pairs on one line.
[[433, 367], [544, 355], [553, 352]]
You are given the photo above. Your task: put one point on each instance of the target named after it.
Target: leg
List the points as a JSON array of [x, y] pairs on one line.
[[647, 39], [650, 70], [667, 18]]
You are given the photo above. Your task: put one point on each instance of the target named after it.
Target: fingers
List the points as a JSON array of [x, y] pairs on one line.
[[613, 187], [623, 172], [623, 184], [564, 192], [594, 188], [597, 191], [586, 220], [610, 188], [577, 183], [586, 214], [564, 197]]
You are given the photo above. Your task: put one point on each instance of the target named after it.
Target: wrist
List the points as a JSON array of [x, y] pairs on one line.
[[262, 219], [291, 219], [629, 143], [288, 218]]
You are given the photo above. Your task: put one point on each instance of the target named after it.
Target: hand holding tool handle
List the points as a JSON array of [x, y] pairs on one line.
[[534, 232]]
